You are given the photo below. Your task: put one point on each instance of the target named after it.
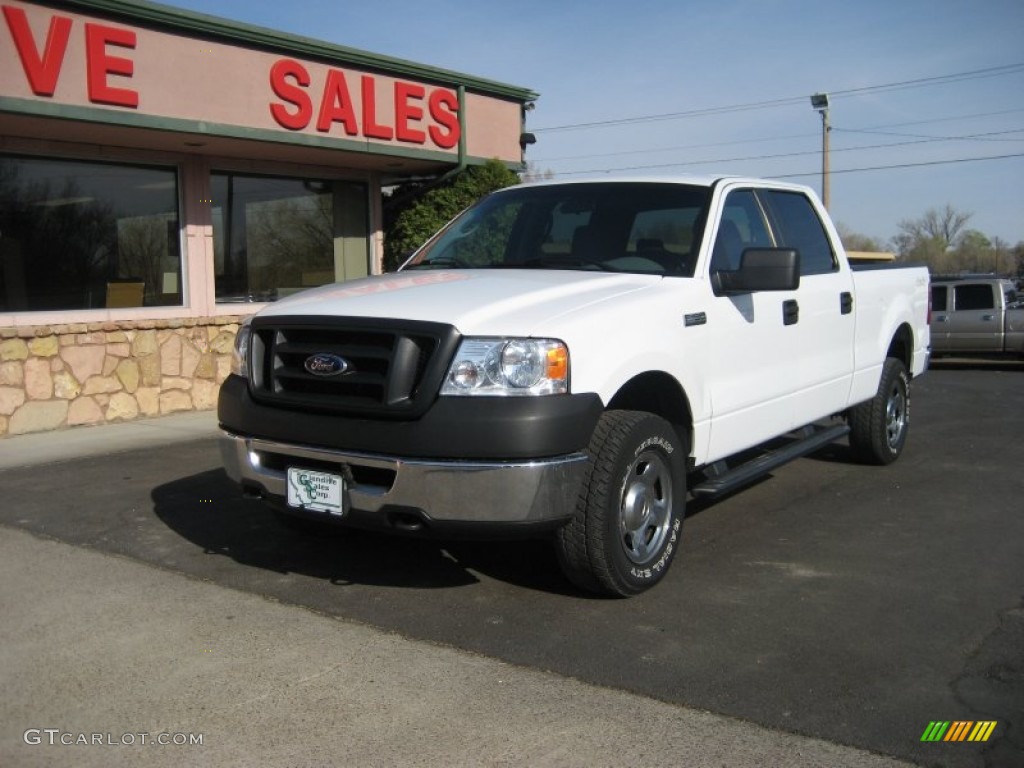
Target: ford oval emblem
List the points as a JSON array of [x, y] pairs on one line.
[[324, 364]]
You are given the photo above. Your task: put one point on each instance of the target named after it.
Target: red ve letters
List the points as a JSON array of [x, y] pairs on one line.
[[42, 64]]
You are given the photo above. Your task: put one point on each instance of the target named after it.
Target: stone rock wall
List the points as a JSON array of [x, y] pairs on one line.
[[53, 377]]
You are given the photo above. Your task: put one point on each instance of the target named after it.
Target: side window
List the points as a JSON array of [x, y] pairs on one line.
[[973, 296], [798, 226], [939, 293], [742, 226]]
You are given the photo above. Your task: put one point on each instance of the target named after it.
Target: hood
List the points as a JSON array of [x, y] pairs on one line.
[[475, 301]]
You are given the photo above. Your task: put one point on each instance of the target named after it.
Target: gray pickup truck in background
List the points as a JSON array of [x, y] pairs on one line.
[[976, 316]]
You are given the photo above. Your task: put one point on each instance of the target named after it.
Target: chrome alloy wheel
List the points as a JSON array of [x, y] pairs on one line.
[[895, 415], [645, 507]]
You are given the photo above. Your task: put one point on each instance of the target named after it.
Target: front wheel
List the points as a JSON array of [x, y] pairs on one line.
[[629, 515], [878, 427]]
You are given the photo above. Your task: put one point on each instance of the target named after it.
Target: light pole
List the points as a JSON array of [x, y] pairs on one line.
[[820, 102]]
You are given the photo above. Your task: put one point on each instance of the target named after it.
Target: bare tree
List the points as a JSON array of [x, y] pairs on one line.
[[1017, 256], [142, 249], [533, 173], [941, 227], [931, 237], [854, 241]]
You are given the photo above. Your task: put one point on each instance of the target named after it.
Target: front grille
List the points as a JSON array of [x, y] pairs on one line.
[[393, 368]]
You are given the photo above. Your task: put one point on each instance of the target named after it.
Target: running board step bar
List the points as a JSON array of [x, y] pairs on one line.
[[723, 479]]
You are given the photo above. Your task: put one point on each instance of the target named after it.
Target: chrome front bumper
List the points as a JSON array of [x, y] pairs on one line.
[[444, 491]]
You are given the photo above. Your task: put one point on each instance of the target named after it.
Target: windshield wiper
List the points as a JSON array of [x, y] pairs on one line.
[[557, 261], [446, 262]]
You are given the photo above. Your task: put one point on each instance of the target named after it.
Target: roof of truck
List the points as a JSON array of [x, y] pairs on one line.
[[701, 180]]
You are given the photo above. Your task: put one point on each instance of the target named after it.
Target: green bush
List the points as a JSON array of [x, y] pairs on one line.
[[415, 211]]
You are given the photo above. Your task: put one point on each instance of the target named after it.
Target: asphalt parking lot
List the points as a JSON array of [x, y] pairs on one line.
[[850, 604]]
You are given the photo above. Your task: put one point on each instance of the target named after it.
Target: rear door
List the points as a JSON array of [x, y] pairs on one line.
[[822, 347], [976, 322]]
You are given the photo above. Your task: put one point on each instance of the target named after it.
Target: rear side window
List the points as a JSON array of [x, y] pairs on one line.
[[976, 296], [797, 226], [939, 295]]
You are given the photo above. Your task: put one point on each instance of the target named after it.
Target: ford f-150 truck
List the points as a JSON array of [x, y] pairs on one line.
[[574, 359], [976, 316]]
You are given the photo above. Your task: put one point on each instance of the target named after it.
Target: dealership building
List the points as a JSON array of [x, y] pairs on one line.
[[164, 174]]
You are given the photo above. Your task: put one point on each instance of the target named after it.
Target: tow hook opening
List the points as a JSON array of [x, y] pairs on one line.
[[407, 522], [253, 492]]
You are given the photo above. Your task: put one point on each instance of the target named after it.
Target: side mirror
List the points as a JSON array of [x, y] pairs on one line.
[[762, 269]]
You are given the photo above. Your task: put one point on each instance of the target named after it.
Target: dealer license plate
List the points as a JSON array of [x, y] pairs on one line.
[[319, 491]]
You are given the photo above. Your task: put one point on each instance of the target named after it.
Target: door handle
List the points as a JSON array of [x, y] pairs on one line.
[[790, 312], [846, 302], [988, 318], [941, 319]]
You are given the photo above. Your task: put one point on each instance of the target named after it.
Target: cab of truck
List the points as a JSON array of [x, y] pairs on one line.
[[970, 315]]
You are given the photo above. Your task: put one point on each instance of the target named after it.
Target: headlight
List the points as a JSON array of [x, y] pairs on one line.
[[240, 355], [508, 367]]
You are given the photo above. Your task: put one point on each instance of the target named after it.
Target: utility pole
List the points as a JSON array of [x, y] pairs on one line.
[[820, 102]]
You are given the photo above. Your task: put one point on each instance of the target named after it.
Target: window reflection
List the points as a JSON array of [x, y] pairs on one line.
[[84, 235], [275, 236]]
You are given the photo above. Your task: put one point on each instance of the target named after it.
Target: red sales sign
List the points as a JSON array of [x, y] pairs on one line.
[[42, 67], [418, 112]]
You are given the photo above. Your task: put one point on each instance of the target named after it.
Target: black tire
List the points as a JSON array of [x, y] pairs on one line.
[[629, 515], [878, 427]]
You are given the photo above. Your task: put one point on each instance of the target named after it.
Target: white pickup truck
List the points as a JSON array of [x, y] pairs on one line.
[[574, 358]]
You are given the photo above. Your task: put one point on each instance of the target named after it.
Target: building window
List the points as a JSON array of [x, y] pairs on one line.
[[275, 236], [84, 235]]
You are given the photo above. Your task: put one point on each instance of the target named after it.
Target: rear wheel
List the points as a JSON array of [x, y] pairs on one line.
[[878, 427], [629, 514]]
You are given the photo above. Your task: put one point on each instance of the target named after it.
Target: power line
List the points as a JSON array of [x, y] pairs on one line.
[[1004, 69], [951, 118], [904, 165], [920, 82], [871, 130], [876, 167], [675, 115], [779, 155], [973, 137], [675, 148]]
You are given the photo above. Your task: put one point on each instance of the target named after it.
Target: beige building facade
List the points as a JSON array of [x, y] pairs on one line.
[[164, 174]]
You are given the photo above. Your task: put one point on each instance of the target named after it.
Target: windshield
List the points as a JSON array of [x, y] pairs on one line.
[[645, 228]]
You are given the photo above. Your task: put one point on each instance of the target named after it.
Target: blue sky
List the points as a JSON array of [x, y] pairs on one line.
[[598, 61]]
